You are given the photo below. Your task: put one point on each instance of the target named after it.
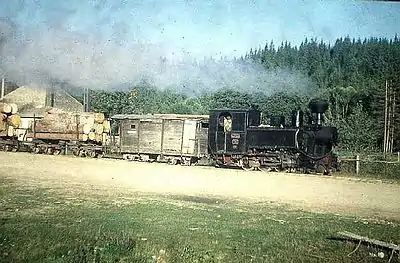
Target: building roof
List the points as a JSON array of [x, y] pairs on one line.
[[33, 99], [24, 95]]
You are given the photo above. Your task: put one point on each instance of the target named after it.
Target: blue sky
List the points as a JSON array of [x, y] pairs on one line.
[[105, 43], [203, 27]]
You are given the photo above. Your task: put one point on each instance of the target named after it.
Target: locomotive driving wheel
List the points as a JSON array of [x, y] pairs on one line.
[[321, 169], [249, 164], [244, 164]]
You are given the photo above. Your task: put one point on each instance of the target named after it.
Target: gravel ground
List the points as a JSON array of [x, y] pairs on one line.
[[80, 176]]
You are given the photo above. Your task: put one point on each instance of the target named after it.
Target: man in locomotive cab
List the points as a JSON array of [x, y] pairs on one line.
[[227, 123]]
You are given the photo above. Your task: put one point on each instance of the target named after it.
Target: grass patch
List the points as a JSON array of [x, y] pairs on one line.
[[368, 170], [37, 225]]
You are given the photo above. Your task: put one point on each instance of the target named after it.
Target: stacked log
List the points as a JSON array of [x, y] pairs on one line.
[[9, 119], [90, 126], [2, 124], [5, 108], [14, 120]]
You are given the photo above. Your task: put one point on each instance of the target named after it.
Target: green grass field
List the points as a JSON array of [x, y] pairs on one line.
[[38, 225]]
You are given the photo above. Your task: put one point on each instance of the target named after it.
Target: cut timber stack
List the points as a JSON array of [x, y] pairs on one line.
[[88, 126], [9, 119], [2, 124]]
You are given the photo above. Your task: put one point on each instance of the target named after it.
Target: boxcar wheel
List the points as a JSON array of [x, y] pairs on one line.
[[75, 152], [82, 153], [92, 154]]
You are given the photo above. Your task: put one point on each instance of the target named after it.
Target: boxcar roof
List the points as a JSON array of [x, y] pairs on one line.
[[157, 116], [232, 110]]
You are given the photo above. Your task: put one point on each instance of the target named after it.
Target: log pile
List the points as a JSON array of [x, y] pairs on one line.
[[90, 126], [9, 119]]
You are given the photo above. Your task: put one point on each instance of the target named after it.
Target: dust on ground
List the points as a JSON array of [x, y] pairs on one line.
[[116, 179]]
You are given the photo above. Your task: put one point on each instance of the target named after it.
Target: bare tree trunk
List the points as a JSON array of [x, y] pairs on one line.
[[393, 119], [337, 114]]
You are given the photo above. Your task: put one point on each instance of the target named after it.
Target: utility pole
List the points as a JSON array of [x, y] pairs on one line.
[[393, 119], [2, 88], [385, 129], [86, 99], [389, 119]]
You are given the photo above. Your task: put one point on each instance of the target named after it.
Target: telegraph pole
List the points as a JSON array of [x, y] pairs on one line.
[[2, 88], [86, 99]]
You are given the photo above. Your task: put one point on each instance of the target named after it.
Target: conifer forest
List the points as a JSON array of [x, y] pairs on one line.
[[360, 78]]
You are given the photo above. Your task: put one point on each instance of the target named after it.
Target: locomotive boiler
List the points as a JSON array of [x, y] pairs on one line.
[[238, 139]]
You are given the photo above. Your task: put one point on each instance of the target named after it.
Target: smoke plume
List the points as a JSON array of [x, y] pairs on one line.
[[100, 63]]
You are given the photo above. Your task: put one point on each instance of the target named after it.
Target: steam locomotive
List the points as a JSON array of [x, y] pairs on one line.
[[277, 146], [224, 138]]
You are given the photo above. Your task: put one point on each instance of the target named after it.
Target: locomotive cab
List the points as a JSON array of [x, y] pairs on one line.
[[227, 130]]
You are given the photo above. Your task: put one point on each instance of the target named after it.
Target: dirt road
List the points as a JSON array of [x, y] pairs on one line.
[[119, 178]]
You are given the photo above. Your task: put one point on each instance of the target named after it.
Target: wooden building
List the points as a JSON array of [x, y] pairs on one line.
[[34, 102], [37, 100]]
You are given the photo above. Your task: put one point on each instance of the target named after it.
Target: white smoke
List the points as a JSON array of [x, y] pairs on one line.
[[99, 63]]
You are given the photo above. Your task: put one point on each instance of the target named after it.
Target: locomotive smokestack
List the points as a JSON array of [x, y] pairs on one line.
[[319, 118], [318, 107]]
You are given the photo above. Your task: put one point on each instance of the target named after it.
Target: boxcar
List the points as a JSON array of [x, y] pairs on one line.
[[161, 137]]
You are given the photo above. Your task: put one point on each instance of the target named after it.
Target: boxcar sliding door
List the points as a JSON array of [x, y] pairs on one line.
[[129, 136], [189, 137], [172, 136]]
